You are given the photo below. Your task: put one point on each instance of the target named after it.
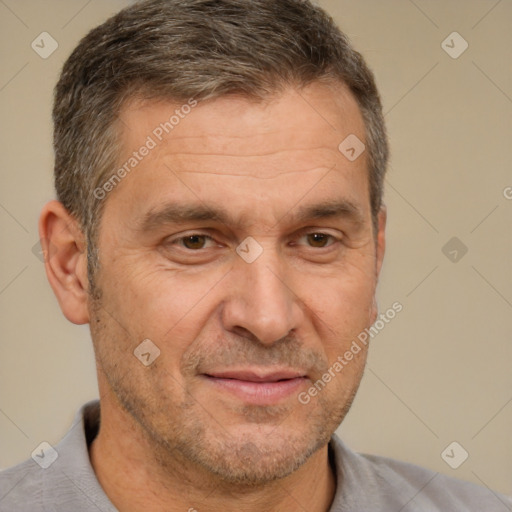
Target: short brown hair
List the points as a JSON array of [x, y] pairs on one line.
[[203, 49]]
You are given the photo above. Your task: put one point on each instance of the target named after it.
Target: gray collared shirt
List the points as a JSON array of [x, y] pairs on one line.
[[364, 483]]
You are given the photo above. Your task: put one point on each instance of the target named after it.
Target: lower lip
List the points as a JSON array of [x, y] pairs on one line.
[[259, 393]]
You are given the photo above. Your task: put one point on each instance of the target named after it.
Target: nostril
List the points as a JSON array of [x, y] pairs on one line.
[[244, 333]]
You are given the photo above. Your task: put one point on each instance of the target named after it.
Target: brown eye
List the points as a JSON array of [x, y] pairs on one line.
[[318, 239], [194, 241]]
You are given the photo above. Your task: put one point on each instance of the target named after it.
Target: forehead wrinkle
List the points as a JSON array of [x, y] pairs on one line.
[[176, 135], [330, 149], [256, 176]]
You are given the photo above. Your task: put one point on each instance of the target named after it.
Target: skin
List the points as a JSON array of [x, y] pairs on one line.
[[171, 438]]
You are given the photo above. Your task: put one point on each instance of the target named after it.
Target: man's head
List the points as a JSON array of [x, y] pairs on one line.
[[200, 49], [208, 208]]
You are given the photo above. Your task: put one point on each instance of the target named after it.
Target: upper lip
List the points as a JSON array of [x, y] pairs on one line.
[[257, 376]]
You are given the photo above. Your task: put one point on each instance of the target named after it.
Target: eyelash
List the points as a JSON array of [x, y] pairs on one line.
[[179, 241], [182, 238]]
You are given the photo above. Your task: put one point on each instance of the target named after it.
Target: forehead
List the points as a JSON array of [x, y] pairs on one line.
[[317, 117], [272, 151]]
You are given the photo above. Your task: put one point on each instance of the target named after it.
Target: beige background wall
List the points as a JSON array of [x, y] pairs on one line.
[[440, 371]]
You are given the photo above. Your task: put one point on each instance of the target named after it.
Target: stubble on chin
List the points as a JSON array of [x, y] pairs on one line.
[[184, 435]]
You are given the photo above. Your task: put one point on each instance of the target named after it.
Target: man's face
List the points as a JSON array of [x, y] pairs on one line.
[[239, 338]]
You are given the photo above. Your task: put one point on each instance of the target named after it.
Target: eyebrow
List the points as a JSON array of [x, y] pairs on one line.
[[181, 213], [331, 209], [177, 213]]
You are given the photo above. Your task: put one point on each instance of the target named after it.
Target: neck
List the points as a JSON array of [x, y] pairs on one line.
[[133, 479]]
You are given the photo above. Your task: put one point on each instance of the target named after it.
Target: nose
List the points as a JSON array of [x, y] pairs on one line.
[[261, 302]]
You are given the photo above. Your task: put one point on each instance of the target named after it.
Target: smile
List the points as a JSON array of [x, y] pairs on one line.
[[257, 389]]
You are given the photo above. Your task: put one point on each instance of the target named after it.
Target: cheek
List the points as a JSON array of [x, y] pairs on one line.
[[343, 300], [167, 306], [341, 309]]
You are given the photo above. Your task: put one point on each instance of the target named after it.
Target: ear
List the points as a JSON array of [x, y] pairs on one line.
[[64, 247], [381, 238], [380, 247]]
